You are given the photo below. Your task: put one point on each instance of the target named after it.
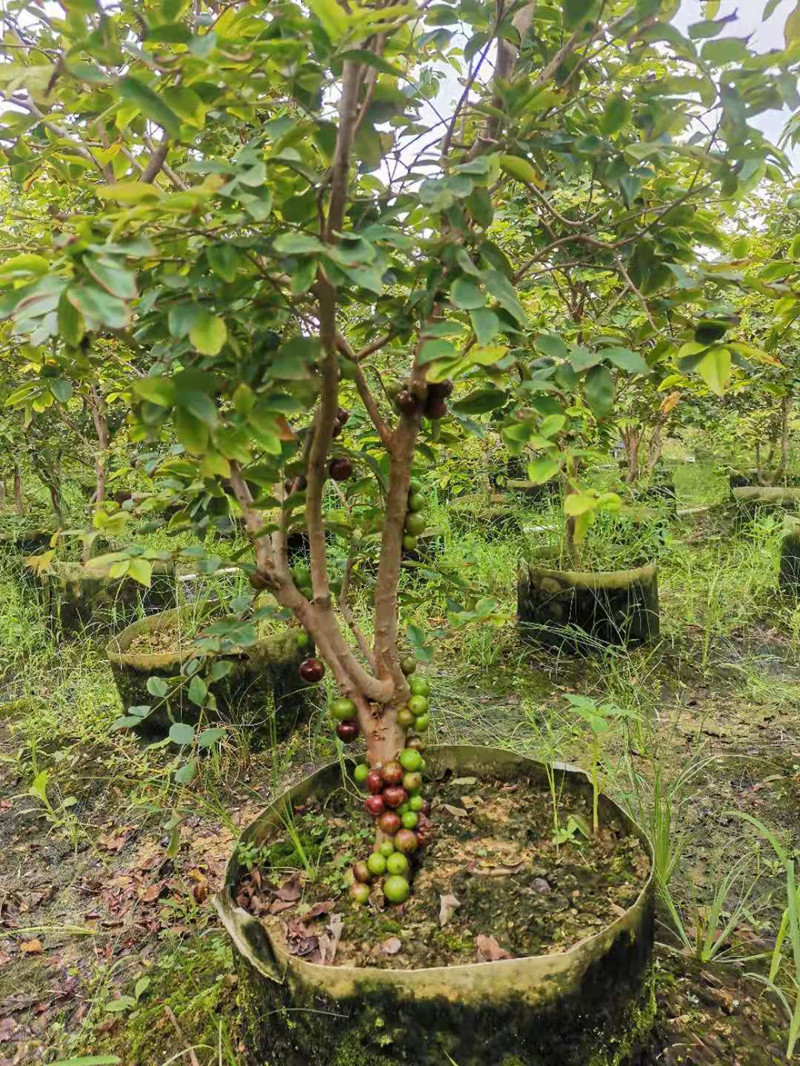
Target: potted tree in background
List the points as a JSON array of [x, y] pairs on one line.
[[277, 212]]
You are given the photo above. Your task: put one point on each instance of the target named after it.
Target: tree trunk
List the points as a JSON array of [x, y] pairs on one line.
[[656, 445], [785, 413], [19, 503], [631, 439], [2, 493]]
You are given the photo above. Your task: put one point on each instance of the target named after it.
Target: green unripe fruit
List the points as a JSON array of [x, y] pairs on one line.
[[412, 782], [417, 704], [408, 665], [359, 893], [360, 773], [416, 501], [396, 889], [416, 803], [419, 686], [410, 759], [410, 543], [424, 764], [401, 810], [342, 709], [414, 487], [415, 524], [405, 718], [302, 638], [386, 848], [377, 864], [398, 865], [421, 723], [301, 576], [410, 819]]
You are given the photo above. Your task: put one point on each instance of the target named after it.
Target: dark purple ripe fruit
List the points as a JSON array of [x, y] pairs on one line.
[[406, 402], [394, 795], [392, 772], [342, 415], [347, 731], [375, 805], [389, 823], [312, 671], [440, 390], [340, 469], [434, 408]]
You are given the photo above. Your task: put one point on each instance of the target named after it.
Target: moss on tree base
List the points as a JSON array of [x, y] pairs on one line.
[[562, 608]]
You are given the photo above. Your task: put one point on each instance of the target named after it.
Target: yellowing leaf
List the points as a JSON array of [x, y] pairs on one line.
[[522, 170], [22, 266], [129, 192], [141, 570], [40, 563], [791, 29], [487, 354], [332, 17], [715, 369], [578, 503], [208, 333]]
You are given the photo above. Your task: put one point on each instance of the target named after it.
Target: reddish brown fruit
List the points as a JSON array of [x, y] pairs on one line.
[[394, 795], [415, 742], [340, 469], [406, 402], [375, 782], [440, 390], [312, 671], [392, 773], [389, 823], [361, 872], [424, 831], [342, 415], [375, 805], [406, 842], [435, 409], [347, 731]]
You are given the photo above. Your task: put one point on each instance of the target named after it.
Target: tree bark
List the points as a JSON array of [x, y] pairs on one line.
[[19, 502]]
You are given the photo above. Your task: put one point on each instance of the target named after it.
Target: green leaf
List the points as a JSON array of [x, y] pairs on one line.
[[187, 104], [626, 360], [485, 323], [99, 307], [24, 266], [503, 291], [466, 294], [113, 278], [117, 1006], [436, 349], [521, 169], [157, 390], [334, 18], [185, 774], [578, 503], [157, 686], [298, 244], [541, 470], [551, 344], [582, 359], [208, 333], [221, 668], [209, 737], [140, 570], [480, 402], [616, 114], [129, 192], [60, 388], [791, 29], [91, 1060], [197, 690], [715, 369], [577, 12], [71, 324], [362, 55], [181, 733], [150, 104], [598, 388], [486, 355]]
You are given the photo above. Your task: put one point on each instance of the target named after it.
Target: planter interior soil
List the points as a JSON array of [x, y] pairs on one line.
[[518, 893]]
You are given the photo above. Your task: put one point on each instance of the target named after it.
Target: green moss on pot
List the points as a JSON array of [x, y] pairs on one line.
[[565, 608], [495, 513], [263, 691], [77, 599]]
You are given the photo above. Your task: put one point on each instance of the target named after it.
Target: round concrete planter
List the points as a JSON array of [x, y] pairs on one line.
[[581, 610], [587, 1005], [262, 693]]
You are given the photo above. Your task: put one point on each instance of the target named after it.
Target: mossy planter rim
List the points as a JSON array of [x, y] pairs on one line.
[[539, 979], [597, 579], [118, 655], [766, 494]]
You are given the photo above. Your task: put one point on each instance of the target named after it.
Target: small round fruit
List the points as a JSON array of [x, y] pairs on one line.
[[412, 782], [374, 782], [386, 848], [440, 389], [406, 402], [419, 686], [359, 893], [361, 872], [389, 823], [401, 810], [416, 501], [392, 772], [415, 524], [410, 819], [375, 805], [394, 795], [405, 841], [342, 709], [435, 409], [347, 731], [342, 416], [340, 469], [415, 742], [408, 665], [415, 485], [405, 718], [302, 638], [410, 543], [410, 759], [396, 889], [426, 808], [416, 803], [418, 704], [397, 865], [361, 773], [421, 722], [377, 864], [312, 670]]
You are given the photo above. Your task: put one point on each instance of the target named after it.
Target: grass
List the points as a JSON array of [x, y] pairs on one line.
[[727, 654]]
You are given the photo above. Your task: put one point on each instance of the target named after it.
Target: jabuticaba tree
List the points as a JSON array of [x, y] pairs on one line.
[[270, 216]]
